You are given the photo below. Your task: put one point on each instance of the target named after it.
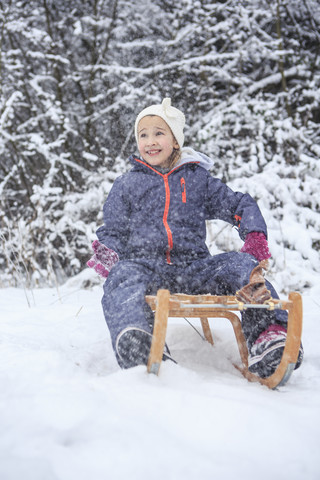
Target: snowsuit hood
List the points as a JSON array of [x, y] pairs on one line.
[[190, 155]]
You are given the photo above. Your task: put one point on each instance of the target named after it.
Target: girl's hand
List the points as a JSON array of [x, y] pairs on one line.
[[256, 245], [103, 259]]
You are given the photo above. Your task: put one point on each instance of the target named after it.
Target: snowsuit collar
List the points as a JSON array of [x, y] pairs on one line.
[[188, 155]]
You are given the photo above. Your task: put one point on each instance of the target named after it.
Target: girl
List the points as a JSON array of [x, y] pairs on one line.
[[154, 237]]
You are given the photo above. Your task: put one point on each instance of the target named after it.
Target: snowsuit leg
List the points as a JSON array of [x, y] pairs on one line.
[[128, 316], [226, 273]]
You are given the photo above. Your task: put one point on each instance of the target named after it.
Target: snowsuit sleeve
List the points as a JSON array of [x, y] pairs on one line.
[[238, 209], [116, 216]]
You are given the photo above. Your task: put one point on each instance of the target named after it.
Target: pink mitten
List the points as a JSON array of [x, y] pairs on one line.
[[103, 259], [256, 244]]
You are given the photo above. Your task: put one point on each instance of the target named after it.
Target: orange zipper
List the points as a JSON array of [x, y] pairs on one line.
[[165, 218], [167, 203], [183, 190]]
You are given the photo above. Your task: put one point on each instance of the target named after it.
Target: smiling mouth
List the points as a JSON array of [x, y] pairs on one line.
[[153, 152]]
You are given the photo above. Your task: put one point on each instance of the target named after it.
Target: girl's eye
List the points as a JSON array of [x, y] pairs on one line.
[[159, 133]]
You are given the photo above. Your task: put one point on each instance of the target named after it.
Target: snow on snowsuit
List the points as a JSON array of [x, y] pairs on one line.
[[156, 222]]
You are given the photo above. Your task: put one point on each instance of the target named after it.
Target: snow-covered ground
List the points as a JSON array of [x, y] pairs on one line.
[[69, 413]]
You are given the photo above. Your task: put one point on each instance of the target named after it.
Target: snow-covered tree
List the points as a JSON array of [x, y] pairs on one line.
[[73, 76]]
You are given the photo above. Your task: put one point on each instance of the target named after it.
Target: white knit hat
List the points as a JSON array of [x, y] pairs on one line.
[[171, 115]]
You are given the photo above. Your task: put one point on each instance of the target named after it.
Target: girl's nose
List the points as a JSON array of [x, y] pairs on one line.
[[151, 141]]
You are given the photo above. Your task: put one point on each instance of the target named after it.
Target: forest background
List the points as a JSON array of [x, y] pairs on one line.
[[74, 75]]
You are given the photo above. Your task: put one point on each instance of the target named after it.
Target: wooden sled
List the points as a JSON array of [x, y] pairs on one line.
[[166, 305]]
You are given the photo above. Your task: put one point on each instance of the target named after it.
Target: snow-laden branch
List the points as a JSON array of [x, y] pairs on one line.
[[275, 79], [8, 107]]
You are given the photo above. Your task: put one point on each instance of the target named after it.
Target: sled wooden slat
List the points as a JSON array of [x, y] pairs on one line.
[[206, 329], [159, 331], [204, 307]]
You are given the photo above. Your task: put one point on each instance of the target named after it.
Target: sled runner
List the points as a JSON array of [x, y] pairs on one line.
[[204, 307]]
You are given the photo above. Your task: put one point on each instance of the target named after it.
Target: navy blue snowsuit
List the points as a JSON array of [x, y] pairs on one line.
[[156, 222]]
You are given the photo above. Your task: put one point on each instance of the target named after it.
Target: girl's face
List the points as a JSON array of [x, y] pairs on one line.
[[155, 141]]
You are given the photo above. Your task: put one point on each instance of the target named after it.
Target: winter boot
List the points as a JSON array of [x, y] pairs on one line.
[[133, 348], [266, 353]]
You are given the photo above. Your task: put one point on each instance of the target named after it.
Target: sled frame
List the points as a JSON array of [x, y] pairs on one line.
[[167, 305]]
